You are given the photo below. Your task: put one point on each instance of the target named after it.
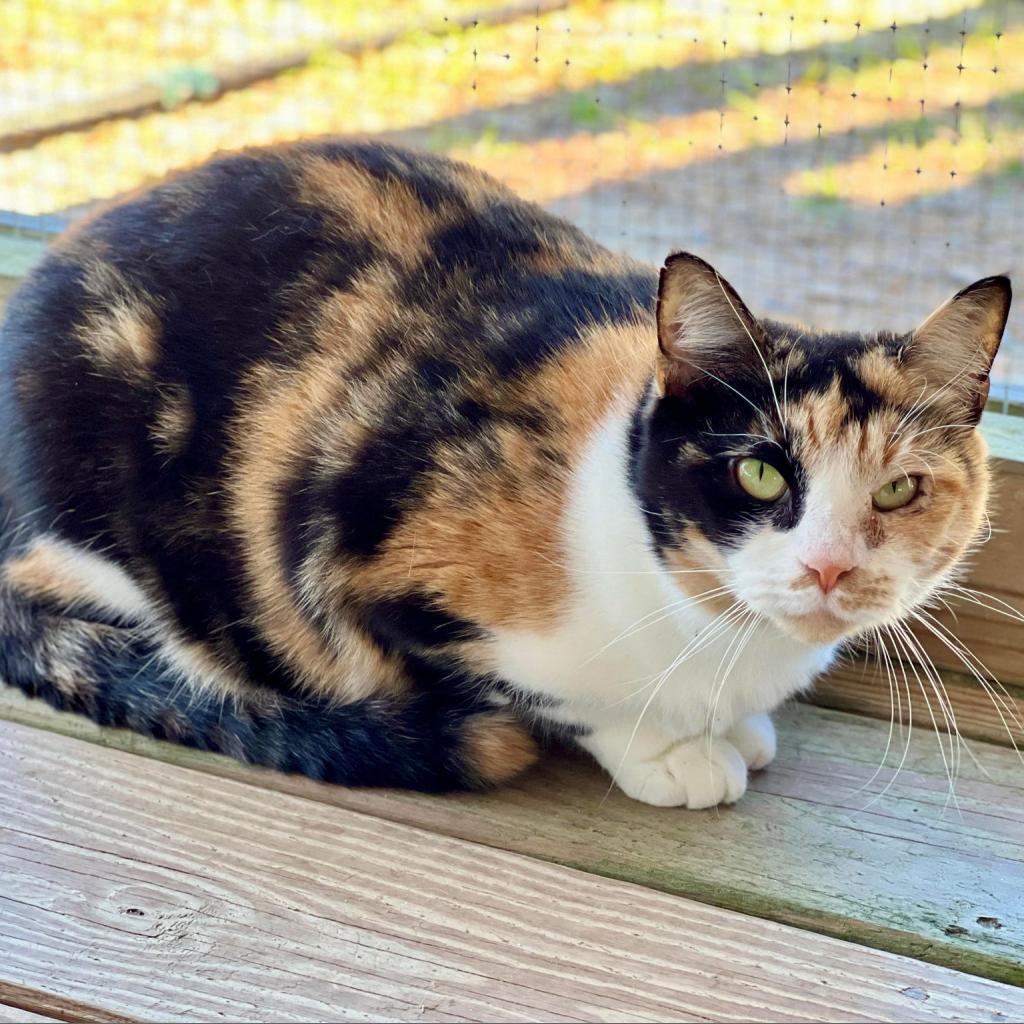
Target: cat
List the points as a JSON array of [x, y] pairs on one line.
[[343, 460]]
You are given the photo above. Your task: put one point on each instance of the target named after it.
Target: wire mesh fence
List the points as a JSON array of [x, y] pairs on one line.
[[846, 162]]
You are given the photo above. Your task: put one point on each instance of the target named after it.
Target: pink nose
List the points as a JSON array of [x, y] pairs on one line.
[[829, 573]]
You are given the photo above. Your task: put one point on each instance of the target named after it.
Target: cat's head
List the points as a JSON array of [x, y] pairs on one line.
[[831, 481]]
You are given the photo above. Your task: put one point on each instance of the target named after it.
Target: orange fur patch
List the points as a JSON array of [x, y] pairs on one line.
[[496, 747], [272, 434], [123, 331], [387, 211], [40, 574], [488, 533]]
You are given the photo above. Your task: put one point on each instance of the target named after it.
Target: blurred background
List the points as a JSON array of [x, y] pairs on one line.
[[843, 162]]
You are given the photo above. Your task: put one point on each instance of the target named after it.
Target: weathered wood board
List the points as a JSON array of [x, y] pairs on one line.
[[159, 893], [907, 873], [861, 687]]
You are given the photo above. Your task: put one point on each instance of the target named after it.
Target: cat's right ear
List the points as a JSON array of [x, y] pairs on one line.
[[704, 328]]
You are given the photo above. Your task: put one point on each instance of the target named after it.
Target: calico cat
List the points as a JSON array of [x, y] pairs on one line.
[[343, 460]]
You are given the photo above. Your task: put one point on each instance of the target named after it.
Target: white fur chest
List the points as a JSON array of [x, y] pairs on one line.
[[633, 642]]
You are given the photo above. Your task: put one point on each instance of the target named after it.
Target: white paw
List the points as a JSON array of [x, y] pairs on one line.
[[754, 738], [691, 774]]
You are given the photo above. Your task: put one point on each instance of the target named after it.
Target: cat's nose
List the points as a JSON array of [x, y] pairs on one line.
[[829, 572]]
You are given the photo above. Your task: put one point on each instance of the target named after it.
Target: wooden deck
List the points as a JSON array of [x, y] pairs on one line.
[[143, 881]]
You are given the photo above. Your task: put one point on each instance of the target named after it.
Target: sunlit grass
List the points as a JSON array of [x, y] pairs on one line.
[[905, 170], [56, 53], [555, 167], [426, 79]]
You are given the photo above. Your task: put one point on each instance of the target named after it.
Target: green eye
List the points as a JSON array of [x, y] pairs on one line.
[[760, 480], [896, 493]]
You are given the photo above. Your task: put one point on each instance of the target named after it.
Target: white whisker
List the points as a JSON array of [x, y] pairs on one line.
[[658, 615], [708, 634], [978, 671], [757, 349], [952, 762], [889, 678]]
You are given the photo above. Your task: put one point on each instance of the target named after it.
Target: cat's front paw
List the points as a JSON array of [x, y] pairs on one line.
[[754, 738], [692, 773]]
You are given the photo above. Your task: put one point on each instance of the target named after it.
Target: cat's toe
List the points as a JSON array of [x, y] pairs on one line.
[[754, 738], [692, 774]]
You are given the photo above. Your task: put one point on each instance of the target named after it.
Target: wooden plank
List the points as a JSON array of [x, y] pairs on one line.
[[194, 897], [13, 1015], [861, 687], [805, 847], [997, 570], [36, 1005]]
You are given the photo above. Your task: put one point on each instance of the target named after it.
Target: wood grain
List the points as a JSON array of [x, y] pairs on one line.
[[997, 570], [13, 1015], [905, 873], [861, 687], [143, 888]]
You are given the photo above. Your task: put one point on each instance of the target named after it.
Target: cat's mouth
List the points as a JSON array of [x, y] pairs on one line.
[[821, 626], [824, 619]]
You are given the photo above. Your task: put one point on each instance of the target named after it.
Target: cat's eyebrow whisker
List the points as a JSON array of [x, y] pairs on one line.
[[919, 407], [942, 426], [785, 384], [707, 373], [935, 455], [757, 349], [919, 454], [915, 409], [758, 437]]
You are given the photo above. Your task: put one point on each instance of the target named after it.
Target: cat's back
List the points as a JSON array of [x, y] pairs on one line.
[[139, 336], [287, 360], [242, 256]]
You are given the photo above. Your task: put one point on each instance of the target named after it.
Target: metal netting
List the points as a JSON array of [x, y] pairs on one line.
[[844, 162]]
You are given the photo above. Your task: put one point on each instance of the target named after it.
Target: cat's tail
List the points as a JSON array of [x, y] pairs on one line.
[[114, 675]]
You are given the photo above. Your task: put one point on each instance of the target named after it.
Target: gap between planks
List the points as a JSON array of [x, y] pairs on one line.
[[805, 847], [198, 897], [22, 1005]]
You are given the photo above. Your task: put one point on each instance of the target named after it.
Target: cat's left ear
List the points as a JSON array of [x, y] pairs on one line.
[[704, 328], [954, 348]]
